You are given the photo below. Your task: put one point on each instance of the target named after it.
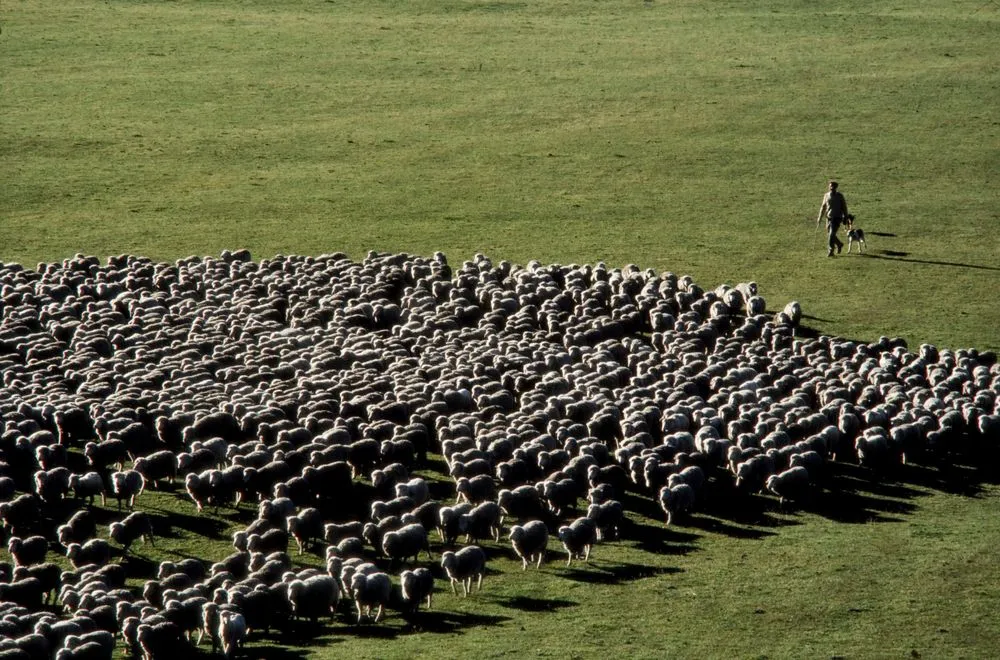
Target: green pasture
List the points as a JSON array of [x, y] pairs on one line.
[[693, 137]]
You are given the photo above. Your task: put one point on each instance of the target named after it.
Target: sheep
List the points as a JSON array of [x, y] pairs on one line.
[[480, 522], [48, 574], [127, 485], [790, 485], [232, 632], [93, 645], [529, 542], [94, 551], [158, 466], [88, 486], [676, 500], [305, 526], [415, 489], [198, 488], [159, 640], [136, 525], [448, 521], [52, 485], [334, 533], [406, 542], [578, 538], [394, 507], [20, 512], [105, 454], [313, 597], [462, 566], [28, 593], [28, 551], [608, 516], [417, 586], [520, 502], [370, 590], [476, 490]]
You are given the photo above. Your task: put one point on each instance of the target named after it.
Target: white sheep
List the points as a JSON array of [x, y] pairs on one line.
[[417, 587], [790, 485], [416, 489], [578, 538], [371, 590], [232, 632], [529, 542], [314, 596], [406, 542], [462, 566], [88, 486], [127, 485], [676, 500], [135, 526]]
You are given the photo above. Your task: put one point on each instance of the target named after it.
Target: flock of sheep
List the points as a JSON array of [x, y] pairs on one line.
[[319, 392]]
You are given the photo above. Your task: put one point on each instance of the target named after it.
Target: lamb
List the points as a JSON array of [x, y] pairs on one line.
[[48, 574], [136, 525], [462, 566], [448, 521], [314, 596], [158, 466], [676, 500], [529, 541], [28, 551], [417, 587], [127, 485], [406, 542], [578, 538], [608, 516], [790, 485], [88, 486], [370, 590]]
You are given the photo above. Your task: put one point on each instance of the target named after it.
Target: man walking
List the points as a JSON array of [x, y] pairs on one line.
[[834, 208]]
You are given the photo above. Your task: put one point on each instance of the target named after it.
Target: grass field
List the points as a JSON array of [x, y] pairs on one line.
[[695, 137]]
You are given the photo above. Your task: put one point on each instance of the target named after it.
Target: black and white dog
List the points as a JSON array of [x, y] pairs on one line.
[[855, 235]]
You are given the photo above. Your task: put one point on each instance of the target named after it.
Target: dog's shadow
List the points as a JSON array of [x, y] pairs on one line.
[[881, 233]]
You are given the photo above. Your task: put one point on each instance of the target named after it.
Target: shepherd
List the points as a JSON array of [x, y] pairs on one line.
[[834, 209]]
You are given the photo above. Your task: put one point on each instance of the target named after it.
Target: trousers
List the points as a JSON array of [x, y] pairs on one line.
[[833, 242]]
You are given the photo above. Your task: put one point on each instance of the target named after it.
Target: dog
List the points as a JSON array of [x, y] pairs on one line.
[[855, 235]]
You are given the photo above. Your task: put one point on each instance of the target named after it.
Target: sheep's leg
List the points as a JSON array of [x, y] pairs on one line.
[[454, 589], [524, 563], [479, 582], [378, 614], [586, 552]]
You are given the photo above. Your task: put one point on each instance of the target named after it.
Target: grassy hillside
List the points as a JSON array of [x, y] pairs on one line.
[[695, 137]]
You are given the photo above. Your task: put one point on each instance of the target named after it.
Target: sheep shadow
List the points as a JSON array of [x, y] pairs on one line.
[[262, 652], [165, 524], [528, 604], [607, 572], [444, 622], [663, 540]]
